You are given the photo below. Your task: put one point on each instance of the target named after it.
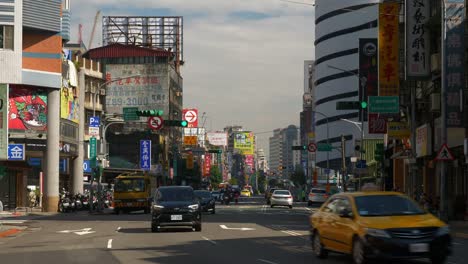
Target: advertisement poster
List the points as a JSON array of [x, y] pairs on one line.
[[423, 141], [69, 104], [207, 166], [389, 79], [28, 109], [249, 161], [3, 121], [217, 139], [454, 60], [368, 70], [244, 143], [417, 39], [148, 91]]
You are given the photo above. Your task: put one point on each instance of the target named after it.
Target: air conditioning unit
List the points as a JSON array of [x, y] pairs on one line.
[[93, 89], [102, 92], [435, 102], [435, 62]]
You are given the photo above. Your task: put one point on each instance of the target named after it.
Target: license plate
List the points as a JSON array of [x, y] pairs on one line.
[[129, 204], [176, 217], [420, 247]]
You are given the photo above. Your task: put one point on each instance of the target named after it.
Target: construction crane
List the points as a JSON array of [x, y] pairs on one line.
[[94, 28]]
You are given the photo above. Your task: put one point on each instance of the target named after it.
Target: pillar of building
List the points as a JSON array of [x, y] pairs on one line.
[[77, 174], [51, 179]]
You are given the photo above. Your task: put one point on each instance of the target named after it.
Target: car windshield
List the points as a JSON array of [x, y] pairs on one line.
[[175, 195], [386, 205], [129, 185], [281, 192], [318, 191], [203, 194]]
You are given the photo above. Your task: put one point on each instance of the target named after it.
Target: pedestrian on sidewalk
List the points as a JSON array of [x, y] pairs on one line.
[[32, 198]]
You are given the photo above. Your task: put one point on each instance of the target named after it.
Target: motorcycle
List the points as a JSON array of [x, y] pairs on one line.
[[66, 203], [78, 201]]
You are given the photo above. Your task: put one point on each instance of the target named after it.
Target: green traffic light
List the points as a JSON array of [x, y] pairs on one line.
[[363, 104], [183, 123]]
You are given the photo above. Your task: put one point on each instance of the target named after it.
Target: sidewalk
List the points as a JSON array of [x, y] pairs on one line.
[[459, 229]]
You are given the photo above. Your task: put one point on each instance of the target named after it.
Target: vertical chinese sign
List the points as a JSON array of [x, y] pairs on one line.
[[207, 165], [389, 80], [417, 39], [3, 121], [454, 59], [368, 70], [145, 154]]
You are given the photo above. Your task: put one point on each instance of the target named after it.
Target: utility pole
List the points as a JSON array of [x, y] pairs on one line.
[[443, 174], [343, 160]]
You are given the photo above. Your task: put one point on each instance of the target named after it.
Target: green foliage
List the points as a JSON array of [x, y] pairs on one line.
[[233, 181], [215, 175], [298, 176]]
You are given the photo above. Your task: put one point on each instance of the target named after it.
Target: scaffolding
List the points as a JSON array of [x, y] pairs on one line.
[[150, 32]]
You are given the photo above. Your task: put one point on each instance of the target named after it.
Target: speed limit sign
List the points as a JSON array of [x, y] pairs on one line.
[[155, 122]]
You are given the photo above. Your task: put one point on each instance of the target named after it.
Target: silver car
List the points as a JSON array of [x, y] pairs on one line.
[[317, 195], [281, 197]]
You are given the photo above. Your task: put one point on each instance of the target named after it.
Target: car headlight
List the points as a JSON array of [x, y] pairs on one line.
[[193, 207], [117, 201], [157, 207], [377, 233], [443, 231]]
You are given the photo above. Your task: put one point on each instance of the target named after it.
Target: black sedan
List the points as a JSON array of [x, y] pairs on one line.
[[207, 201], [175, 206]]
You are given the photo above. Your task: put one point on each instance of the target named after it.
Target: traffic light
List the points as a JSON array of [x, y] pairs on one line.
[[151, 112], [363, 104], [299, 147], [215, 151], [175, 123]]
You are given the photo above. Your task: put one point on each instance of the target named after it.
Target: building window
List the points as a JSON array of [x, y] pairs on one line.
[[6, 37]]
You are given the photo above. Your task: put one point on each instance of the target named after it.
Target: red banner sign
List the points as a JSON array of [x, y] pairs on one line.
[[207, 165]]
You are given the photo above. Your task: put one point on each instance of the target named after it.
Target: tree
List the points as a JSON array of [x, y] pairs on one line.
[[298, 176], [215, 175], [233, 181]]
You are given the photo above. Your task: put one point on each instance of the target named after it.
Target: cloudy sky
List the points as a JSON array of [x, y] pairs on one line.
[[243, 58]]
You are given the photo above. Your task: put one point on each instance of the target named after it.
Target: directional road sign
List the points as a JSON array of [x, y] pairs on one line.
[[129, 113], [191, 116], [324, 147], [155, 122], [92, 151], [384, 104]]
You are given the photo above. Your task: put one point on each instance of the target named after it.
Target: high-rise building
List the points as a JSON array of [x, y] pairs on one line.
[[282, 158]]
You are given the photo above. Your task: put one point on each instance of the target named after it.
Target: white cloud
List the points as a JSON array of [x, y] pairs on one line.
[[247, 72]]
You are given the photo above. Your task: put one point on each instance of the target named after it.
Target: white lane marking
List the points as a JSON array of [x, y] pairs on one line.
[[308, 209], [291, 233], [209, 240], [236, 228], [118, 229], [109, 243], [266, 261]]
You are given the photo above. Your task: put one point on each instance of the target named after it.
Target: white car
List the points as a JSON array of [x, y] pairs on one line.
[[281, 197], [317, 195]]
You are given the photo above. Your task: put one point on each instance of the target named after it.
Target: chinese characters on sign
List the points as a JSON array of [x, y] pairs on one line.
[[423, 141], [16, 152], [377, 124], [389, 81], [244, 143], [454, 59], [145, 154], [3, 122], [368, 70], [207, 165], [417, 38]]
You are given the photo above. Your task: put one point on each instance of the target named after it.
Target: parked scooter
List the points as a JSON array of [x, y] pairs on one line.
[[66, 203]]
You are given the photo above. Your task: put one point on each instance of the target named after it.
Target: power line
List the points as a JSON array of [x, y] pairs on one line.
[[300, 3]]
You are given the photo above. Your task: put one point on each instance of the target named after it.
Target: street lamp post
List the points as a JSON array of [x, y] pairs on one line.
[[361, 130], [328, 137]]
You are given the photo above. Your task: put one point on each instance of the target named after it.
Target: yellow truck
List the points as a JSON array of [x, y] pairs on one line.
[[132, 192]]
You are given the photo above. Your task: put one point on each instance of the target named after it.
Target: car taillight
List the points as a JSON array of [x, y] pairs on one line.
[[311, 194], [325, 195], [289, 197]]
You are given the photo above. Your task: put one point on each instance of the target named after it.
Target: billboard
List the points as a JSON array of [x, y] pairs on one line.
[[191, 116], [149, 90], [69, 104], [389, 79], [423, 141], [244, 143], [217, 138], [249, 161], [417, 39], [454, 60], [3, 121], [28, 108]]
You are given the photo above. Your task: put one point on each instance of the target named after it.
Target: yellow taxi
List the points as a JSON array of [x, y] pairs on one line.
[[245, 193], [378, 225]]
